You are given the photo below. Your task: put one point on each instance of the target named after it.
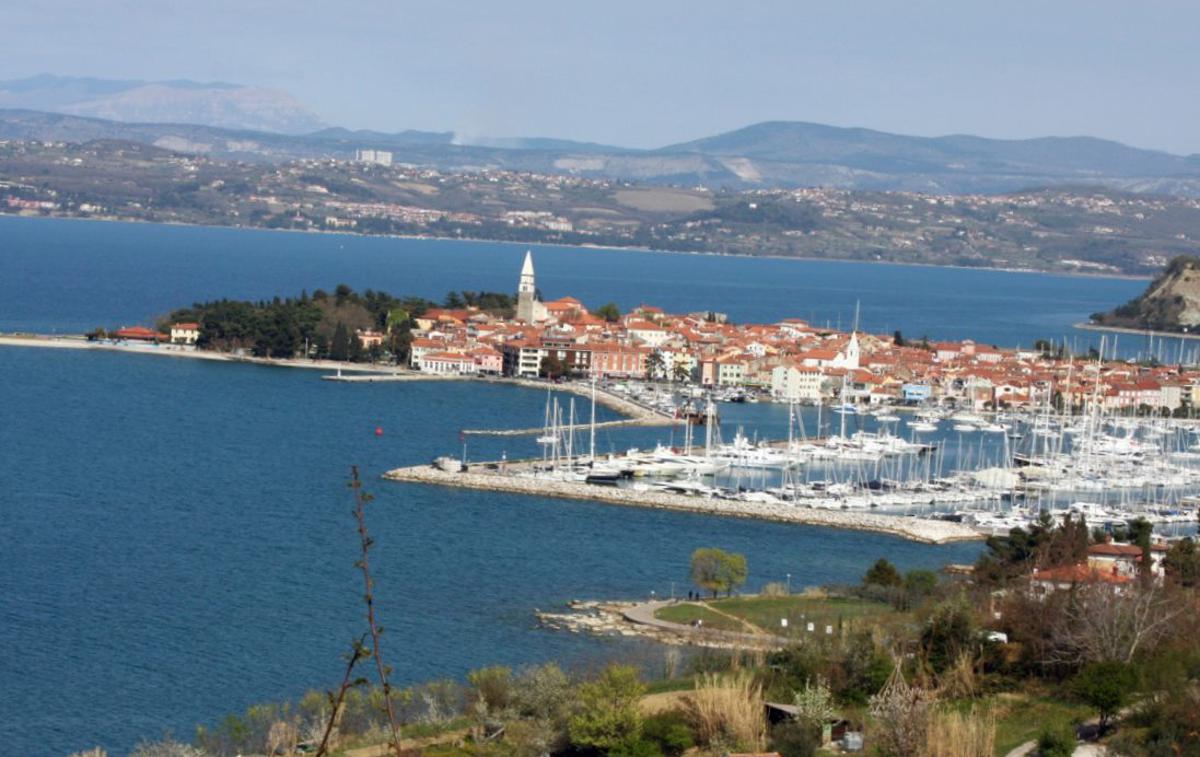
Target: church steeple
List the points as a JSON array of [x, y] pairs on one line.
[[527, 306], [527, 282]]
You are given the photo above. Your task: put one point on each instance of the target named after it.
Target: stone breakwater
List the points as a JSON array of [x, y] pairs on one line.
[[916, 529]]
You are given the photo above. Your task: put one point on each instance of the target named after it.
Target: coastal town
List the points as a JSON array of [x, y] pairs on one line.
[[787, 361]]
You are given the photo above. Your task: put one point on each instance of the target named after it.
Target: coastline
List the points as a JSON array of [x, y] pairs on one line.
[[588, 246], [359, 372], [1135, 332]]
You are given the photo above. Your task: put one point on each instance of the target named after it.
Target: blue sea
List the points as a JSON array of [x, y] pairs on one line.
[[175, 535]]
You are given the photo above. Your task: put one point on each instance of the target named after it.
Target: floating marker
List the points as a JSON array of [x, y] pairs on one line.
[[379, 431]]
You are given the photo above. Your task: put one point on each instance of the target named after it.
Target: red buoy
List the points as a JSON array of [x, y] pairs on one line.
[[379, 431]]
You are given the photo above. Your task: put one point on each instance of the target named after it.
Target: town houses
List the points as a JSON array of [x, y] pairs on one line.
[[788, 360]]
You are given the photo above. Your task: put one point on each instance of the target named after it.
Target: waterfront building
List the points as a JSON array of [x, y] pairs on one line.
[[185, 333], [140, 334]]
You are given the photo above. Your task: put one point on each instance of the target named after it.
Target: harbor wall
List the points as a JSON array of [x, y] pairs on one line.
[[915, 529]]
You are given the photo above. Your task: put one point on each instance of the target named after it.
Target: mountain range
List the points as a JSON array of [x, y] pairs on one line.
[[245, 123], [219, 104]]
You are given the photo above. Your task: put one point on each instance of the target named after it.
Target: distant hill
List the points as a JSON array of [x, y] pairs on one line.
[[774, 154], [183, 102], [1170, 303], [866, 149]]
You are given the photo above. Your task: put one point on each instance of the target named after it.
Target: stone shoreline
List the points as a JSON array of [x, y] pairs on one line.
[[914, 529]]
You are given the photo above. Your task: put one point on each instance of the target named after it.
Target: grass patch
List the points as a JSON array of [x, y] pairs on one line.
[[1020, 718], [687, 614], [765, 613]]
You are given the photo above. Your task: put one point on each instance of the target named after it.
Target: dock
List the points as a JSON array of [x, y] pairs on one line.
[[485, 477]]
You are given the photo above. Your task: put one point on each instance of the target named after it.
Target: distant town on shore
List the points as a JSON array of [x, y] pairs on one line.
[[1089, 230], [494, 334]]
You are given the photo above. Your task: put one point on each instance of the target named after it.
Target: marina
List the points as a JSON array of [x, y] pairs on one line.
[[956, 475]]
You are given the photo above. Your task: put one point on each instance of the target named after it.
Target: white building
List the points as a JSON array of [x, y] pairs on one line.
[[375, 157], [185, 333], [794, 383]]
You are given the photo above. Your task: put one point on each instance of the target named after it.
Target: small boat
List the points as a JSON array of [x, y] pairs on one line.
[[964, 428]]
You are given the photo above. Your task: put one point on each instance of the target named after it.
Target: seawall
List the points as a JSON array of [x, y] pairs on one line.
[[915, 529]]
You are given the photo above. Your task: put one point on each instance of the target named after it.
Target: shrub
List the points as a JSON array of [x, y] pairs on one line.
[[167, 747], [949, 633], [669, 731], [608, 716], [492, 686], [795, 739], [1056, 740], [1105, 686], [882, 573]]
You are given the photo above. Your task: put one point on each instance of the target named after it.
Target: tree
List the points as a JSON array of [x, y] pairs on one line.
[[717, 570], [608, 717], [919, 584], [898, 338], [339, 349], [901, 717], [1182, 563], [655, 366], [551, 367], [947, 634], [706, 568], [1103, 624], [680, 373], [883, 573], [1105, 686], [609, 312], [814, 704]]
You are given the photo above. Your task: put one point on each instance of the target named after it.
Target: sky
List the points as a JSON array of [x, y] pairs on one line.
[[651, 73]]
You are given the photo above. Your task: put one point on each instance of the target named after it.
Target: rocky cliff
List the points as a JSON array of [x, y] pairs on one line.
[[1170, 303]]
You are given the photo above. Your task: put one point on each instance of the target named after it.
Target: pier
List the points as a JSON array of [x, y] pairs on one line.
[[489, 477]]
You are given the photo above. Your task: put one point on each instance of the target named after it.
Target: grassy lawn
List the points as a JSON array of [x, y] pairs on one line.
[[766, 613], [686, 613], [1020, 718]]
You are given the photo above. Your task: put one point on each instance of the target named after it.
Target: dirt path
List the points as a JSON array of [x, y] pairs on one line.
[[750, 627]]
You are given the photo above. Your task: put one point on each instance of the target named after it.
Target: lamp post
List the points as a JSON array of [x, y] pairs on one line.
[[789, 584]]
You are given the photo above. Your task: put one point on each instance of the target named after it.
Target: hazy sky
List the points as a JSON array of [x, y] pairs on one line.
[[649, 73]]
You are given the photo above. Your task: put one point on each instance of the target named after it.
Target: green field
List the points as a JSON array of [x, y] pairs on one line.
[[766, 613]]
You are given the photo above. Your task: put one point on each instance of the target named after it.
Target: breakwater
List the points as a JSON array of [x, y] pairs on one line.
[[915, 529]]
